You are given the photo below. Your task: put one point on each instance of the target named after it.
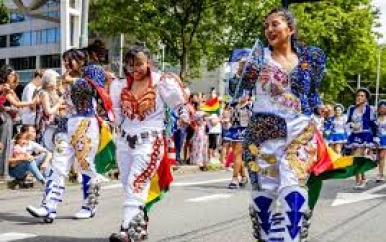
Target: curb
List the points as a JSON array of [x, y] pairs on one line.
[[179, 170]]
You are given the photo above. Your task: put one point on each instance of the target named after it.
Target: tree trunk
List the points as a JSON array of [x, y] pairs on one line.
[[184, 63]]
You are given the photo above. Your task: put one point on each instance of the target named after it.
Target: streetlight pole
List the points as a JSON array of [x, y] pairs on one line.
[[378, 77], [121, 43]]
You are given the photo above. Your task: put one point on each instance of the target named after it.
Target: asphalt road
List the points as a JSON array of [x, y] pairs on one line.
[[199, 207]]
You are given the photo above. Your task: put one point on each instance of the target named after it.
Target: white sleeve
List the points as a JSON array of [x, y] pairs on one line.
[[115, 94], [28, 93], [172, 93], [36, 147]]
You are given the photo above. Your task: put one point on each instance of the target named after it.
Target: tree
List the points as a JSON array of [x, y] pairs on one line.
[[344, 30], [4, 13]]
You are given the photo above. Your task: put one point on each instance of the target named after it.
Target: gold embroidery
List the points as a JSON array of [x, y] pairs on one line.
[[138, 108], [270, 159], [254, 149], [82, 144], [253, 166], [301, 167]]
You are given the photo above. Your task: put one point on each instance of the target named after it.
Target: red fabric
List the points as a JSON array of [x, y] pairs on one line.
[[165, 176], [324, 162], [229, 159], [106, 101], [211, 102]]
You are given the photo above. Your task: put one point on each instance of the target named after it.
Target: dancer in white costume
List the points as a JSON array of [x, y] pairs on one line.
[[77, 139], [280, 143], [140, 113]]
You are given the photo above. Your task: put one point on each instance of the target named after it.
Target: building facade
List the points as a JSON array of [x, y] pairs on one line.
[[36, 39]]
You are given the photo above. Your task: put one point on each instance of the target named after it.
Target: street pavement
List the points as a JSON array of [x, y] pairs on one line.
[[199, 207]]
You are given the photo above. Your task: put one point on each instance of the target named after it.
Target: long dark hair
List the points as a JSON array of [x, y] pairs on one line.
[[5, 71], [290, 19], [75, 54]]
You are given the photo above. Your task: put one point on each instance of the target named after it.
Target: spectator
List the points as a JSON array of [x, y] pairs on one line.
[[199, 142], [27, 156], [214, 131], [225, 136], [9, 102], [28, 114]]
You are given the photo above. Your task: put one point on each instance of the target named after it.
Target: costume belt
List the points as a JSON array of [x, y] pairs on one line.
[[137, 139]]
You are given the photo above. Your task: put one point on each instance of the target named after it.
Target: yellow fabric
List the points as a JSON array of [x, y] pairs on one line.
[[339, 161], [154, 190], [105, 136]]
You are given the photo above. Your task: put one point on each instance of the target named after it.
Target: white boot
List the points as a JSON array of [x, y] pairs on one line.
[[85, 213], [91, 189]]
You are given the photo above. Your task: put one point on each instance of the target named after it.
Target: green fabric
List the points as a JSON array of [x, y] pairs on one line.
[[105, 159], [315, 183]]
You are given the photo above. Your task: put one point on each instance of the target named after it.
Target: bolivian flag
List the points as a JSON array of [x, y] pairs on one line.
[[211, 106], [105, 157], [330, 165], [160, 182]]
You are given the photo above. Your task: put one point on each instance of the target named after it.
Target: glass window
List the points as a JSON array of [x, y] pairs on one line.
[[3, 41], [34, 38], [43, 36], [50, 61], [24, 63], [16, 17], [2, 62], [15, 39], [51, 35], [26, 39]]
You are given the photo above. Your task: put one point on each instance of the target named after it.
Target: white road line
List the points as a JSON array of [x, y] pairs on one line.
[[188, 184], [11, 236], [174, 184], [209, 198]]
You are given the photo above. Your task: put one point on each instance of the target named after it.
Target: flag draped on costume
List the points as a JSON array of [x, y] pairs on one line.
[[105, 157], [331, 165], [160, 182]]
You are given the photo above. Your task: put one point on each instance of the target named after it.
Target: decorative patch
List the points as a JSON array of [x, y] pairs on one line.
[[146, 175], [301, 152], [82, 144], [138, 108]]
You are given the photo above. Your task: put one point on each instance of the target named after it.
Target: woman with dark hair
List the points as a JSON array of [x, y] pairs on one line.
[[361, 120], [280, 141], [140, 113], [77, 138], [9, 104], [336, 129]]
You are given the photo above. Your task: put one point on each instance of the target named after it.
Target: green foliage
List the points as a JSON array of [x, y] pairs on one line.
[[194, 29], [4, 13]]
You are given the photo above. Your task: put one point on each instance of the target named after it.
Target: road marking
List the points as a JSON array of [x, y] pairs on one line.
[[15, 236], [188, 184], [346, 198], [209, 198], [174, 184]]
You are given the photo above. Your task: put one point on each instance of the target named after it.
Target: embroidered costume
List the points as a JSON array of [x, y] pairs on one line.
[[280, 143], [141, 145], [363, 127], [77, 139], [336, 129]]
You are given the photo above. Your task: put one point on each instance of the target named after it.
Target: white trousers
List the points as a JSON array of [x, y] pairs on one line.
[[79, 145], [137, 166]]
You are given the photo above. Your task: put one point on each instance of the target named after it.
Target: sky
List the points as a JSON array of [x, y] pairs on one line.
[[382, 5]]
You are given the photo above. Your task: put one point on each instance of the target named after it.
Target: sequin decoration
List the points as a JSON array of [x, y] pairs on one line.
[[145, 176], [82, 95], [82, 144], [138, 108], [262, 127], [301, 153]]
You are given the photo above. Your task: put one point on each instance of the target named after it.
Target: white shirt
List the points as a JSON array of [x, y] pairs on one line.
[[27, 115]]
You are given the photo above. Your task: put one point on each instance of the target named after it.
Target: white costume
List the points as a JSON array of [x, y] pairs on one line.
[[77, 140], [140, 145]]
